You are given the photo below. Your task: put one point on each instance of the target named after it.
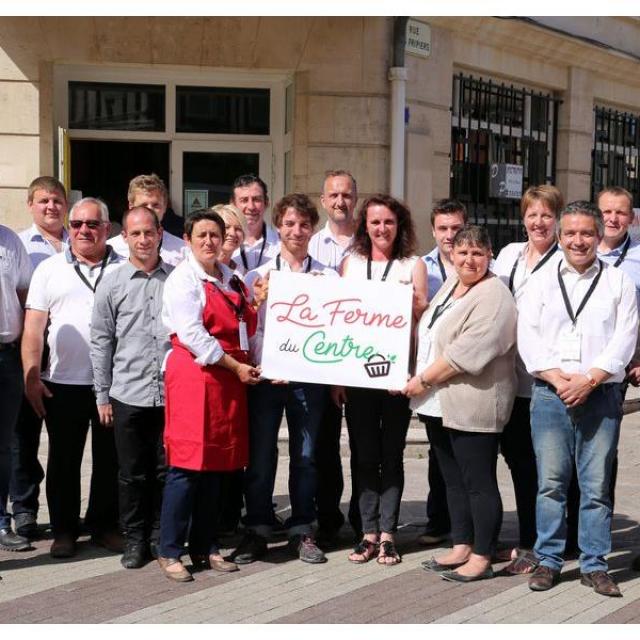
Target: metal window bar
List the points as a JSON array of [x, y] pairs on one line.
[[615, 158], [495, 122]]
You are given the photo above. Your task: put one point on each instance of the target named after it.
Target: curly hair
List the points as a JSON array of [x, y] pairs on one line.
[[405, 242], [298, 201]]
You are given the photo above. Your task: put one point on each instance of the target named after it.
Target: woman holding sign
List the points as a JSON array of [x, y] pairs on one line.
[[209, 320], [465, 386], [383, 248]]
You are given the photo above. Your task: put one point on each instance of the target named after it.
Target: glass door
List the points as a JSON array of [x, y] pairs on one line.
[[202, 172]]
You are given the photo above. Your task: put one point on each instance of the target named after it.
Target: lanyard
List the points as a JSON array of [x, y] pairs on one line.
[[441, 308], [81, 275], [443, 271], [565, 297], [243, 255], [238, 309], [623, 255], [386, 270], [545, 258], [308, 259]]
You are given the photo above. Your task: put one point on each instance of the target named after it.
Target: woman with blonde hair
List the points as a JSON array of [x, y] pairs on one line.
[[235, 231]]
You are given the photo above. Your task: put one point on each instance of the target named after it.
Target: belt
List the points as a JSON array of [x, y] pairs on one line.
[[4, 346]]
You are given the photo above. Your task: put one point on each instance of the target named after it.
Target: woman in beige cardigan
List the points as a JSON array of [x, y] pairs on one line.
[[465, 386]]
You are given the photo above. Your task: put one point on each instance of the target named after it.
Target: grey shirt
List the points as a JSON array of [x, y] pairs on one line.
[[128, 340]]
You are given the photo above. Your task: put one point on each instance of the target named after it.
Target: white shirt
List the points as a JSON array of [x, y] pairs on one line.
[[607, 327], [183, 302], [15, 273], [260, 252], [326, 249], [428, 404], [516, 254], [256, 341], [57, 289], [173, 249], [38, 247], [401, 270]]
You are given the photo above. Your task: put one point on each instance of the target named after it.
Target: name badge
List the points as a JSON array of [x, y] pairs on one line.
[[244, 338], [570, 344]]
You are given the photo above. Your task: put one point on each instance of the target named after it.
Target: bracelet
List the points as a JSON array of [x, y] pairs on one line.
[[423, 384], [592, 381]]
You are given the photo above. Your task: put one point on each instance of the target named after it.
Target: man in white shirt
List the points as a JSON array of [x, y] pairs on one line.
[[295, 217], [447, 218], [577, 331], [47, 202], [62, 294], [261, 242], [150, 191], [15, 272], [329, 246]]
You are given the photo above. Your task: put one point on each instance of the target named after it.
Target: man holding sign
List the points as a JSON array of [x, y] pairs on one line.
[[295, 217]]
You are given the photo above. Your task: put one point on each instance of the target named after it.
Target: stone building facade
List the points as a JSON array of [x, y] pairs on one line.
[[96, 100]]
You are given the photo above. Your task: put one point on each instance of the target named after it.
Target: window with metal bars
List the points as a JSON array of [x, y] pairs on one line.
[[492, 124], [616, 151]]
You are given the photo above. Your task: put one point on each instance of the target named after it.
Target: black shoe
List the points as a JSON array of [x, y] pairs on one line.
[[635, 565], [454, 576], [327, 538], [432, 538], [154, 549], [134, 556], [10, 541], [26, 525], [251, 548], [433, 565], [305, 548]]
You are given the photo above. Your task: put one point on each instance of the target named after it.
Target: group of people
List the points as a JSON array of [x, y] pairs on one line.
[[155, 342]]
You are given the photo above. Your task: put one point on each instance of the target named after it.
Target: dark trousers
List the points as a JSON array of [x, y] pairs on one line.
[[468, 463], [141, 468], [27, 472], [70, 411], [378, 423], [329, 469], [517, 449], [231, 499], [437, 508], [190, 505]]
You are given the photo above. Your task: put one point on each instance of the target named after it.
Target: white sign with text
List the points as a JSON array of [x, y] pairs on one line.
[[337, 331]]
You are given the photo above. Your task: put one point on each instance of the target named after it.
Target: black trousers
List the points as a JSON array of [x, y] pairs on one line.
[[437, 508], [141, 469], [378, 423], [329, 470], [517, 448], [70, 412], [468, 462], [26, 471]]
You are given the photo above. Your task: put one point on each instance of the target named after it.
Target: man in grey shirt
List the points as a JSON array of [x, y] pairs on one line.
[[128, 346]]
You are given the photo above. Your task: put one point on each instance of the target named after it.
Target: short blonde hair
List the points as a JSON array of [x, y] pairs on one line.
[[147, 184], [545, 193], [231, 213]]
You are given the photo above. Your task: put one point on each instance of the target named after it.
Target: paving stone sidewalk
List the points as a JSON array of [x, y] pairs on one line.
[[94, 588]]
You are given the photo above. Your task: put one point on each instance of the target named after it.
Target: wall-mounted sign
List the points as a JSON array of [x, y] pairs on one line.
[[337, 331], [505, 181], [418, 39], [195, 199]]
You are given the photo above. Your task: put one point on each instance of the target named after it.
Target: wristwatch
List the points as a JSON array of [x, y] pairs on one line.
[[592, 381]]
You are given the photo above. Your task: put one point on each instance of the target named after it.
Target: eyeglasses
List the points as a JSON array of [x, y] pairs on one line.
[[92, 224]]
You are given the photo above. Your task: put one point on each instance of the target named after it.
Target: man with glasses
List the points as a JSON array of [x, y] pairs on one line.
[[62, 294]]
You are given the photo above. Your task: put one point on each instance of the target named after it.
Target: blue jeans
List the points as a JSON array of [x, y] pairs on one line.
[[304, 406], [589, 435], [10, 399]]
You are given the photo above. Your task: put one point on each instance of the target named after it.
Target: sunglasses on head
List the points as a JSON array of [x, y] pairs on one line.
[[92, 224]]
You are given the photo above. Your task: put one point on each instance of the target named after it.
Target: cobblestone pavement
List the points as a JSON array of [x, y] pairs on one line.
[[93, 587]]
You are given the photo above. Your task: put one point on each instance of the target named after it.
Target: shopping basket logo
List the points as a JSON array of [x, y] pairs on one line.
[[377, 366]]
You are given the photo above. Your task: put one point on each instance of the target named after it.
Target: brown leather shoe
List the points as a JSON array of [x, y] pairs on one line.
[[63, 546], [543, 578], [213, 562], [111, 540], [178, 576], [602, 583]]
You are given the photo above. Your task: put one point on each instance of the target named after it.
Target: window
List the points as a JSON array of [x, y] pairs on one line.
[[495, 123], [116, 106], [222, 110]]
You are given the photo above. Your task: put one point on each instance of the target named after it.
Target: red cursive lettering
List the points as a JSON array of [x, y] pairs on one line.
[[297, 312]]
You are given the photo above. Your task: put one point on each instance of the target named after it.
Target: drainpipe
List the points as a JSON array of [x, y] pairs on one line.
[[398, 79]]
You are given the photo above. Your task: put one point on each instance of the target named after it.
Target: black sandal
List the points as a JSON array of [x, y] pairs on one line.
[[365, 548], [388, 550]]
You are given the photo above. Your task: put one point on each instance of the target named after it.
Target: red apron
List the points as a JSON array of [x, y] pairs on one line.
[[206, 422]]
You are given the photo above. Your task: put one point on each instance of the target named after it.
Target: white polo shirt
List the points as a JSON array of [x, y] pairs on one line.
[[325, 248], [57, 289], [261, 252], [38, 247], [173, 250], [15, 272]]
